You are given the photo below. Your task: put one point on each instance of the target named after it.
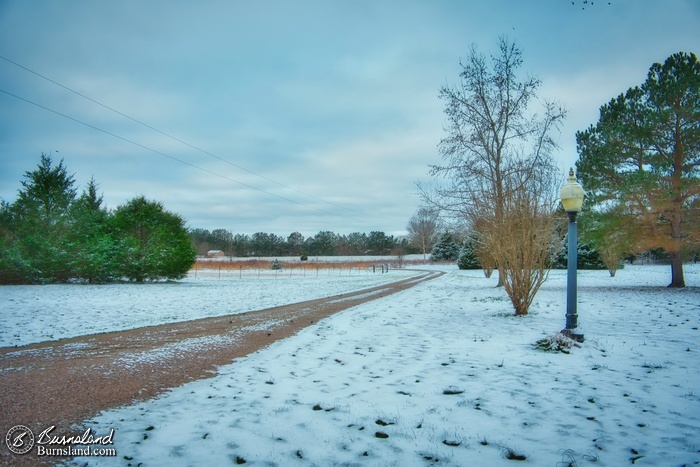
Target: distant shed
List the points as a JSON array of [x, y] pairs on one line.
[[215, 254]]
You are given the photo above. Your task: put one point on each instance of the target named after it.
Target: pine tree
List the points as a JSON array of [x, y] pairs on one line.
[[587, 257], [14, 269], [42, 221], [642, 158], [467, 259], [445, 249], [92, 242]]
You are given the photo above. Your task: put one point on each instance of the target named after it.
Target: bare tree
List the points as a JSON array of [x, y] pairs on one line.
[[496, 153], [422, 229]]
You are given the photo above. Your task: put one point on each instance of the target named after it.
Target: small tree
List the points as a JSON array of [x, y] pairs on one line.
[[522, 238]]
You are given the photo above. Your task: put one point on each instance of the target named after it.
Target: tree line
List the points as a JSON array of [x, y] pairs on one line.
[[53, 234], [324, 243]]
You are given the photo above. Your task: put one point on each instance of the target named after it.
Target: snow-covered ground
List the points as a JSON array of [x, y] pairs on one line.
[[443, 373], [38, 313]]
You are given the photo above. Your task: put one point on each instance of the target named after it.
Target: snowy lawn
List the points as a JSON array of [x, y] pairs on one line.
[[38, 313], [443, 373]]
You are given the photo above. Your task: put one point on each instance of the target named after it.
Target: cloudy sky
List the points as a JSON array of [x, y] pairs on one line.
[[282, 116]]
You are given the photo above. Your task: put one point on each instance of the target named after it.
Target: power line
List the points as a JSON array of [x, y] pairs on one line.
[[160, 153], [173, 137]]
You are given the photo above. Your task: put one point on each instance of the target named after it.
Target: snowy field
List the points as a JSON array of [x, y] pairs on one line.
[[38, 313], [443, 373]]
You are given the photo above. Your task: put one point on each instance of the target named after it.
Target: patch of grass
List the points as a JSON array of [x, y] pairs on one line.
[[652, 366], [509, 454], [567, 458], [452, 391], [451, 443]]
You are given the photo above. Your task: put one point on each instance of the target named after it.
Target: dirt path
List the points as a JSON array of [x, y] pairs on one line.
[[65, 382]]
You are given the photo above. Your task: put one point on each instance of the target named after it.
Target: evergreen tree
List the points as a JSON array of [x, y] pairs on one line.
[[445, 249], [42, 221], [295, 241], [241, 245], [467, 259], [378, 243], [323, 244], [587, 257], [49, 235], [14, 269], [152, 243], [92, 242]]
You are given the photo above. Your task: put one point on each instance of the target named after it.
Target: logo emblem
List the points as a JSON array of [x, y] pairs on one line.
[[20, 439]]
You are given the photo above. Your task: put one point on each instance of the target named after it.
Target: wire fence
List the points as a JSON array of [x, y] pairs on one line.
[[266, 268]]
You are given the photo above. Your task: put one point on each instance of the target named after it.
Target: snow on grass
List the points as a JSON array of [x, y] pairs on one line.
[[34, 313], [443, 373]]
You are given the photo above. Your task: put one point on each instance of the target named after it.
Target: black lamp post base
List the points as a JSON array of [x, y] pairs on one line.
[[573, 335]]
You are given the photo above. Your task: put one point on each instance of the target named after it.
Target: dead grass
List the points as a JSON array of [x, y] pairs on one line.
[[236, 264]]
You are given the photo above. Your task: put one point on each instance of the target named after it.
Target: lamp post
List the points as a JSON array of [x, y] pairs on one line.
[[571, 196]]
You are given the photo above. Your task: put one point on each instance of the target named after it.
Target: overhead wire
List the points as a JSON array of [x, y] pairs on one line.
[[161, 153], [174, 137]]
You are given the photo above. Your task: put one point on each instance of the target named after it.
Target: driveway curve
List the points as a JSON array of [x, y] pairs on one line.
[[65, 382]]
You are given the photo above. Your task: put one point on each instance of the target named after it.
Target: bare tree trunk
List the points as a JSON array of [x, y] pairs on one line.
[[501, 275], [677, 279]]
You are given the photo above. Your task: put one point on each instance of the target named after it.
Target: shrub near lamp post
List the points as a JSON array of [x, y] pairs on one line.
[[571, 196]]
